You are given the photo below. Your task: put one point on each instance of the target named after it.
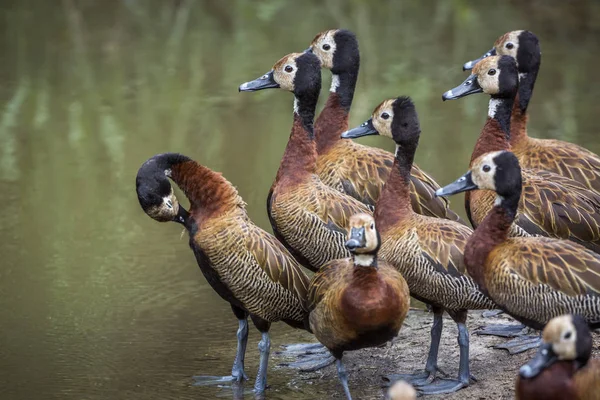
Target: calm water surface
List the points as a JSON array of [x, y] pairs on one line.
[[97, 301]]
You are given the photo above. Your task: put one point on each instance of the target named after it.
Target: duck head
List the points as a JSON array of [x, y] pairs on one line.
[[363, 239], [523, 46], [337, 50], [565, 338], [494, 75], [395, 118], [156, 195], [296, 72], [498, 171]]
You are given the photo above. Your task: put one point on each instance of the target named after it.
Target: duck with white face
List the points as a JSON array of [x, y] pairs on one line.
[[552, 205], [563, 158], [533, 279], [562, 368]]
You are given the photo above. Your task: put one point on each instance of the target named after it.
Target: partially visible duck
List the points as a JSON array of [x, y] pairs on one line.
[[564, 158], [245, 265], [551, 205], [357, 302], [357, 170], [533, 279], [309, 217], [402, 390], [562, 368], [427, 251]]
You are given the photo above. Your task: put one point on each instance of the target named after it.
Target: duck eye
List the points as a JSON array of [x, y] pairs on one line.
[[385, 115], [372, 225], [492, 72], [567, 335], [509, 45], [486, 168], [289, 68], [326, 47]]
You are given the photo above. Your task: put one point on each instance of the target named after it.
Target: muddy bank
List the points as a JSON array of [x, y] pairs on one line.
[[495, 369]]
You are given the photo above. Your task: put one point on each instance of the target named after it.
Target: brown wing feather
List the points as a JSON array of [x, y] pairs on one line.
[[444, 244], [361, 172], [561, 264], [277, 262], [563, 158]]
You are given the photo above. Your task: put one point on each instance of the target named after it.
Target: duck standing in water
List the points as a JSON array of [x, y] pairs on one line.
[[357, 302], [359, 171], [533, 279], [563, 158], [245, 265], [562, 368]]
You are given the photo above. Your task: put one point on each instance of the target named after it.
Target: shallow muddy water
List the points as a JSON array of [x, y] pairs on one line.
[[98, 301]]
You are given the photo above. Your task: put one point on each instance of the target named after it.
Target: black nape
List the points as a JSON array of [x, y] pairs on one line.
[[307, 86], [346, 64]]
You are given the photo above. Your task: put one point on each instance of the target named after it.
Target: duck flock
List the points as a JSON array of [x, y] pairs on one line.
[[375, 229]]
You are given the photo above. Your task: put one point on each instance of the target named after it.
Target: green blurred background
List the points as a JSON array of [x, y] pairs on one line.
[[98, 301]]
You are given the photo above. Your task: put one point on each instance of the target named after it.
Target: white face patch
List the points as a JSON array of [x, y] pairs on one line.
[[335, 83], [493, 107], [364, 260]]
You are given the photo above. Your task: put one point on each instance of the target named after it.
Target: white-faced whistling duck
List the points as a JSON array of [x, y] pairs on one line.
[[534, 279], [352, 168], [357, 302], [427, 251], [564, 158], [245, 265], [562, 368], [309, 217], [552, 205]]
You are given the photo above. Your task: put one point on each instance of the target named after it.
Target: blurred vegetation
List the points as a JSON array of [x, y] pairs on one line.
[[92, 88]]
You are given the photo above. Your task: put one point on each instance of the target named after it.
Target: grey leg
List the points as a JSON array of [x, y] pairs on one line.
[[264, 346], [520, 344], [444, 386], [237, 372], [242, 340], [343, 375], [431, 369]]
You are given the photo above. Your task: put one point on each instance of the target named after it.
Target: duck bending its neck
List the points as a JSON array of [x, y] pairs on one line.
[[333, 119], [495, 135], [493, 230], [394, 202], [300, 156], [208, 191]]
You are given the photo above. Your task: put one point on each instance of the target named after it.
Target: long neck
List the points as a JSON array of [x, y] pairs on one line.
[[492, 231], [519, 117], [208, 191], [394, 202], [300, 156], [495, 134], [333, 119]]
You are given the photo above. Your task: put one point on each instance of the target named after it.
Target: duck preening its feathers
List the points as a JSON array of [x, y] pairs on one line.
[[245, 265]]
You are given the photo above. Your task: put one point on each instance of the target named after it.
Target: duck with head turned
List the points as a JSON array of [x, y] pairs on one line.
[[309, 217], [533, 279], [427, 251], [245, 265], [360, 301], [357, 170], [563, 367], [563, 158], [551, 204]]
